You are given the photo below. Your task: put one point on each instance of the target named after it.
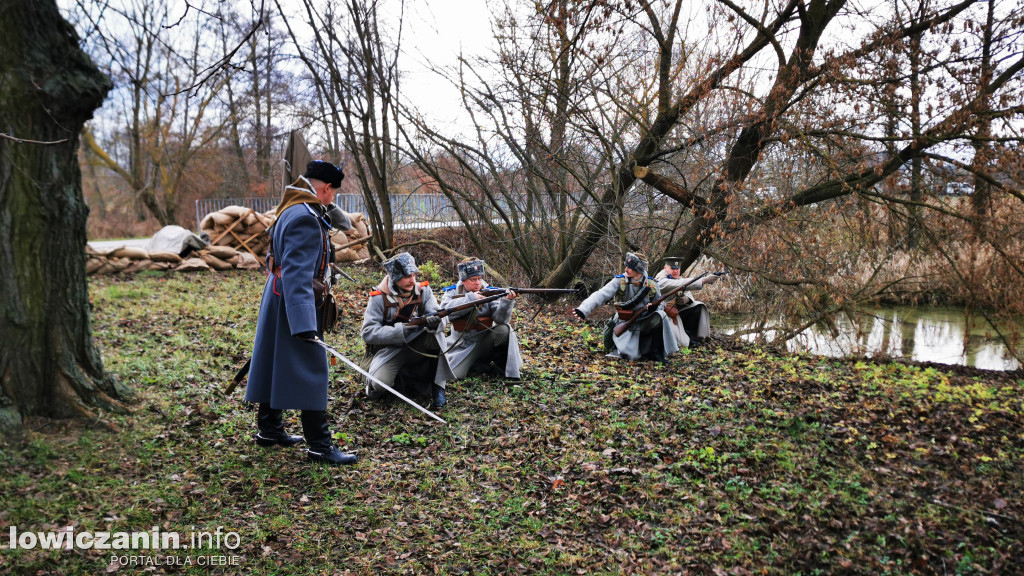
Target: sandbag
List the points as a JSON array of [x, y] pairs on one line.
[[222, 252], [93, 264], [345, 255], [159, 256], [247, 261], [257, 227], [138, 266], [235, 212], [192, 265], [129, 252], [214, 262], [222, 219]]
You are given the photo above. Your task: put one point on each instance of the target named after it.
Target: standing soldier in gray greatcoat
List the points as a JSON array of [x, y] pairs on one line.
[[289, 371], [650, 336], [482, 339], [407, 358]]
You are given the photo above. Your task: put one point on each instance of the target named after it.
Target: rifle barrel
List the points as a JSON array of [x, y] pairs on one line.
[[442, 312], [531, 290]]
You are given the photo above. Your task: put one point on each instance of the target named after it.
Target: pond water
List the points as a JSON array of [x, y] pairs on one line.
[[942, 335]]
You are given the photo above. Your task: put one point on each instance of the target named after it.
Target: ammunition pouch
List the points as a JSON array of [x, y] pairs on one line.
[[626, 315], [326, 306], [671, 311]]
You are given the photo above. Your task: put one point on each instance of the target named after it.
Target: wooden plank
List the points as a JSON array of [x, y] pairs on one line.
[[233, 224], [246, 246]]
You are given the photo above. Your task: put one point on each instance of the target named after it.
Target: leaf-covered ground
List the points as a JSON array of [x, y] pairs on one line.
[[723, 460]]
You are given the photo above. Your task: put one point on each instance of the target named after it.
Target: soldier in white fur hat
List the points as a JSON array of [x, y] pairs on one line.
[[690, 319], [407, 358], [633, 291], [482, 339]]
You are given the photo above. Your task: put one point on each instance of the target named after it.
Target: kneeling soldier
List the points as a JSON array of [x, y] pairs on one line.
[[407, 358], [482, 339], [650, 335], [690, 319]]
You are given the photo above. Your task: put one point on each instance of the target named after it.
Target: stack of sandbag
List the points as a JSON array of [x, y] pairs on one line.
[[240, 228], [128, 259], [234, 224], [352, 245]]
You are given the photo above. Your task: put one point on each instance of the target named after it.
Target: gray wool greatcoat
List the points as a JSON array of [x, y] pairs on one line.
[[628, 344], [462, 346], [286, 372], [704, 320], [380, 331]]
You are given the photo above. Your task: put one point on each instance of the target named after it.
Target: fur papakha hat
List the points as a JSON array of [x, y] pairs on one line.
[[470, 269], [636, 262], [400, 266]]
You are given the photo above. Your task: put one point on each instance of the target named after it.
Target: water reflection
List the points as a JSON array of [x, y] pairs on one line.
[[922, 334]]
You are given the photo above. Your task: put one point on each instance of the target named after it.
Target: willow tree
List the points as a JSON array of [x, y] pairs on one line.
[[49, 365]]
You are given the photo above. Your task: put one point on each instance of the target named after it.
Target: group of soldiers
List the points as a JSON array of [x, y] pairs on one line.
[[415, 344]]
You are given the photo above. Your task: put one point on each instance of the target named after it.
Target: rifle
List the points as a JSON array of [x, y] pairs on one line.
[[442, 312], [545, 291], [623, 326]]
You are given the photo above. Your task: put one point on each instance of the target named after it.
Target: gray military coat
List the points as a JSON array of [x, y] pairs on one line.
[[462, 345], [695, 306], [380, 330], [628, 344]]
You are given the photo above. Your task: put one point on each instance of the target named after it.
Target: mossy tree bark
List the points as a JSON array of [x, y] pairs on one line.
[[49, 88]]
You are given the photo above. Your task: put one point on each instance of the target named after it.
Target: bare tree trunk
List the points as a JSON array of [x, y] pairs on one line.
[[48, 362], [916, 165], [981, 201]]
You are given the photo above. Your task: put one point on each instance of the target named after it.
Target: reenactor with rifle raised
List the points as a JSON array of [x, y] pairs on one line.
[[647, 334], [482, 339], [689, 318], [403, 335]]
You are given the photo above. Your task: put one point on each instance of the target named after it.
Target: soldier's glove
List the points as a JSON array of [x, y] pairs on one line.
[[432, 322], [579, 314]]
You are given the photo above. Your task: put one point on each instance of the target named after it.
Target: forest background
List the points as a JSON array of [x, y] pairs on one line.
[[832, 153]]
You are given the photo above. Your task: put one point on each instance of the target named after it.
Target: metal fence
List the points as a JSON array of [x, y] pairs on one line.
[[409, 211]]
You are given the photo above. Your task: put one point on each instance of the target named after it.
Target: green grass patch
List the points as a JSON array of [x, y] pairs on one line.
[[724, 459]]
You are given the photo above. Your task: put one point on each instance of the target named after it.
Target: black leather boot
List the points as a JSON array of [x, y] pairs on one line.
[[271, 428], [318, 439], [438, 396]]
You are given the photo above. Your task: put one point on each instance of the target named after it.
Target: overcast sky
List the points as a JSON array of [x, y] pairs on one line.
[[435, 32]]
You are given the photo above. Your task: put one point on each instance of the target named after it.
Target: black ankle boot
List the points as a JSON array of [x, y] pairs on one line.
[[318, 438], [438, 397], [271, 428]]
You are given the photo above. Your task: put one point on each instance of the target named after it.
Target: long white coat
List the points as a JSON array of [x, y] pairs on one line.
[[627, 345], [462, 345], [704, 324]]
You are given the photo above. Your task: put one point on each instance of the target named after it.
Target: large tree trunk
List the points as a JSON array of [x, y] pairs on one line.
[[48, 363]]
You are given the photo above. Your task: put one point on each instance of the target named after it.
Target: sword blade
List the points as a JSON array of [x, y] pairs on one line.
[[376, 380]]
